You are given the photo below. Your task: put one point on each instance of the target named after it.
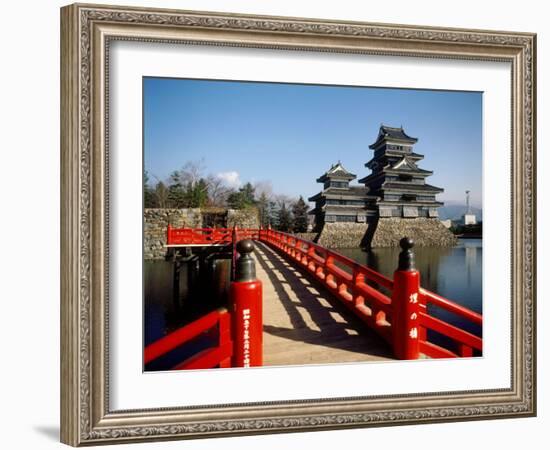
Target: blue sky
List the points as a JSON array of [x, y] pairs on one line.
[[290, 134]]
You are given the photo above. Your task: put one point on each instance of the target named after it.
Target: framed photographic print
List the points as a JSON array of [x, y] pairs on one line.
[[276, 224]]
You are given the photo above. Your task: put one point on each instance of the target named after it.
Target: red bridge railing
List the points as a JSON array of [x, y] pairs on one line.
[[396, 309], [198, 236], [220, 355], [240, 332], [207, 236], [362, 289]]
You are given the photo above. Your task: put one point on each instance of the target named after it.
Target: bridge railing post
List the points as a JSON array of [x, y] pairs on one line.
[[406, 304], [234, 238], [246, 310], [169, 234]]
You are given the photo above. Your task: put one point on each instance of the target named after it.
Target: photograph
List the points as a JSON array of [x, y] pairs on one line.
[[293, 224]]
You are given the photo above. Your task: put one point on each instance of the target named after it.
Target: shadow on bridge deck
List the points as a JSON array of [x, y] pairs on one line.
[[304, 323]]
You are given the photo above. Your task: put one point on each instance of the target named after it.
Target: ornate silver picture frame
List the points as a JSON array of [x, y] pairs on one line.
[[87, 33]]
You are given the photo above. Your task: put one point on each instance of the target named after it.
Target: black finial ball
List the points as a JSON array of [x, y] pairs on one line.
[[406, 243], [245, 246]]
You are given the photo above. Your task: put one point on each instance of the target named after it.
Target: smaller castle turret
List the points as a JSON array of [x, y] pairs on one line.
[[338, 201]]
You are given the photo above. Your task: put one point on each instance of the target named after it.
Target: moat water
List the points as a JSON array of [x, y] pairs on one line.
[[171, 301], [176, 294]]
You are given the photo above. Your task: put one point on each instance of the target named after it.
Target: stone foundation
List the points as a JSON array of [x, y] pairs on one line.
[[425, 233], [243, 218], [386, 232], [343, 235], [307, 236]]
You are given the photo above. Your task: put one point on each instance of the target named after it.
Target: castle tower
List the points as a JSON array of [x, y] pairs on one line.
[[338, 201], [396, 179]]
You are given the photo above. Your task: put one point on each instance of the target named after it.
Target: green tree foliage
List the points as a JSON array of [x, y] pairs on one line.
[[195, 195], [176, 192], [243, 198], [273, 213], [161, 195], [148, 194], [264, 206], [186, 192], [284, 219], [247, 192], [299, 211], [190, 188]]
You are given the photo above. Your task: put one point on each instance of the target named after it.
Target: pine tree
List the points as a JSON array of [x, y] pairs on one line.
[[247, 192], [243, 198], [299, 211], [176, 193], [148, 196], [195, 195], [272, 213], [263, 210], [161, 195], [284, 218]]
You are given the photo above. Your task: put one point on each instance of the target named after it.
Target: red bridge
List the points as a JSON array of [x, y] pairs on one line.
[[309, 304]]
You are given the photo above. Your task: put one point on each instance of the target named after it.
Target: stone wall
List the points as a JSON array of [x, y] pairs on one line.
[[343, 235], [155, 222], [386, 232], [307, 236], [243, 218], [425, 232]]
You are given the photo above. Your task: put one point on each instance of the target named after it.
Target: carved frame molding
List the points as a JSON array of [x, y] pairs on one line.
[[86, 32]]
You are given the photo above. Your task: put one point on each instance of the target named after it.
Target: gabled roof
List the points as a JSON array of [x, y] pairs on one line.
[[381, 159], [394, 134], [336, 171], [390, 170], [405, 164]]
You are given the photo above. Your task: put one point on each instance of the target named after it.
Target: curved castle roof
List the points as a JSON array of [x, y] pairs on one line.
[[392, 134], [336, 171]]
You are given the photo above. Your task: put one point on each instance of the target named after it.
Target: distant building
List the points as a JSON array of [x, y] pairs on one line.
[[396, 179], [340, 202], [469, 218]]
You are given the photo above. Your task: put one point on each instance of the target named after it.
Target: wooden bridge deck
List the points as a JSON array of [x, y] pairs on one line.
[[304, 324]]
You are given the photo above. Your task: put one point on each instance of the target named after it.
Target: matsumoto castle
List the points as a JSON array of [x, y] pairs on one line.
[[396, 188]]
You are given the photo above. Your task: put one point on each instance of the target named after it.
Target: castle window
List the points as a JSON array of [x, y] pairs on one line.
[[408, 197], [403, 177], [340, 218], [331, 201], [339, 184]]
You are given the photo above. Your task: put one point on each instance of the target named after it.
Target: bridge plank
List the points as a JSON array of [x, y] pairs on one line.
[[304, 323]]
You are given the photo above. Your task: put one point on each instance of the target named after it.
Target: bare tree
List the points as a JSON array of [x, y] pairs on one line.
[[283, 199], [192, 172], [264, 187], [161, 194], [218, 191]]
